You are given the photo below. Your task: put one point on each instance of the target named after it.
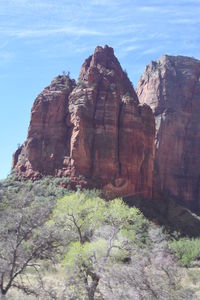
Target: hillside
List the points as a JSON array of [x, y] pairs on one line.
[[144, 261]]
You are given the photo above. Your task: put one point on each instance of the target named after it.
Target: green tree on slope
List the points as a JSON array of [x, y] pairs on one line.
[[102, 233]]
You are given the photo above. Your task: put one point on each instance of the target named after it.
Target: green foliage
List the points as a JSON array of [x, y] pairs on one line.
[[80, 212], [98, 227], [186, 250], [81, 254], [94, 240], [47, 187], [25, 235], [102, 233]]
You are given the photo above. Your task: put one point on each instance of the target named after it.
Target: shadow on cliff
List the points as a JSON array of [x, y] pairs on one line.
[[169, 214]]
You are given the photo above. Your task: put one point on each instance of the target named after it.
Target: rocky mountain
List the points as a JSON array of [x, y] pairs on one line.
[[171, 87], [47, 143], [97, 133], [94, 132]]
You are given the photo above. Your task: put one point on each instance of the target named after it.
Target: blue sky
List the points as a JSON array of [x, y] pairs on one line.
[[41, 38]]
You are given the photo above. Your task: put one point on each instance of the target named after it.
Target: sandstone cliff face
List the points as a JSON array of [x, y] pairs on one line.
[[96, 130], [171, 86], [47, 143]]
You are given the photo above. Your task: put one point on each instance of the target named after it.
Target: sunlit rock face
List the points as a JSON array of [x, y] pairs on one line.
[[95, 132], [171, 87], [46, 144]]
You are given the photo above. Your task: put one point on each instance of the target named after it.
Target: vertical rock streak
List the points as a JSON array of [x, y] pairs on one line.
[[173, 92], [118, 139], [94, 133]]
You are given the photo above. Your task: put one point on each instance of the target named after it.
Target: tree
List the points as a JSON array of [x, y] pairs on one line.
[[102, 233], [99, 249], [25, 236], [66, 73], [186, 249]]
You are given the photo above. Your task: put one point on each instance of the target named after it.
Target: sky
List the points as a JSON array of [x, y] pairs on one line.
[[39, 39]]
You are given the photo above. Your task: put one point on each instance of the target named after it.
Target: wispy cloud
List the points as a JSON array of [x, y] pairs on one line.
[[26, 33], [104, 2], [132, 48], [153, 9], [26, 4], [151, 50], [129, 27], [185, 21]]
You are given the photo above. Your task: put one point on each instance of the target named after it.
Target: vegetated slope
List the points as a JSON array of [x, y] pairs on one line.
[[141, 265], [171, 86], [95, 132]]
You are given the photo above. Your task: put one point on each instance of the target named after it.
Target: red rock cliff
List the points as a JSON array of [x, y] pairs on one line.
[[171, 86], [96, 130], [47, 141]]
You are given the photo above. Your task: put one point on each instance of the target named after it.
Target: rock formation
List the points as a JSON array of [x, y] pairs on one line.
[[95, 132], [47, 141], [171, 86]]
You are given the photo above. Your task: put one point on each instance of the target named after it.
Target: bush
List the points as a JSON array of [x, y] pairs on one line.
[[102, 234], [186, 250]]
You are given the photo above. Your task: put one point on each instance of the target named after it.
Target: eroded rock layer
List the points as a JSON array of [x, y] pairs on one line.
[[171, 86], [48, 135], [95, 132]]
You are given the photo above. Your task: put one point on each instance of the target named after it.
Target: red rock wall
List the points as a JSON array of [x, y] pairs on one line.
[[171, 87], [47, 142], [96, 130]]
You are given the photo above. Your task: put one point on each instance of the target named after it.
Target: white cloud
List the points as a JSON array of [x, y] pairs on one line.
[[104, 2], [185, 21], [153, 9], [151, 50], [130, 26], [26, 33], [132, 48]]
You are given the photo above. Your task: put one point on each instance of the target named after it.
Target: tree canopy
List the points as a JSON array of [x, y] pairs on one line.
[[102, 232]]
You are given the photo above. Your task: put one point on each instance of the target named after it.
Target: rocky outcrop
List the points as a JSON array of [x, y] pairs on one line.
[[47, 141], [171, 86], [95, 132]]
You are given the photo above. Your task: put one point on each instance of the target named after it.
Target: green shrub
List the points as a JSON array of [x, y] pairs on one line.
[[186, 250], [100, 234], [93, 221]]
